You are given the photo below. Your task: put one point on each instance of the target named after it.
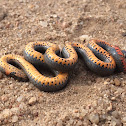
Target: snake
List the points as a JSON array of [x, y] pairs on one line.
[[99, 56]]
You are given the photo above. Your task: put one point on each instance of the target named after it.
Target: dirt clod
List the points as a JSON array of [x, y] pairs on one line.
[[117, 82]]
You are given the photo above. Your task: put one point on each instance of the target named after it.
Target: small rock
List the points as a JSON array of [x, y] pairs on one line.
[[85, 38], [4, 98], [79, 123], [109, 107], [124, 119], [111, 82], [84, 112], [115, 114], [34, 30], [113, 98], [6, 113], [15, 110], [2, 13], [105, 82], [43, 23], [103, 117], [60, 123], [19, 99], [35, 114], [65, 25], [117, 82], [94, 118], [53, 16], [71, 121], [14, 119], [76, 111], [115, 122], [32, 101]]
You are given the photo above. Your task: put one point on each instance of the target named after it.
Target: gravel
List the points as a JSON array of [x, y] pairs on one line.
[[14, 119], [32, 101], [117, 82], [94, 118], [88, 99]]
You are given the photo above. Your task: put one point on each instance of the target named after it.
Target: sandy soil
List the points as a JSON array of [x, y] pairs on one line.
[[88, 99]]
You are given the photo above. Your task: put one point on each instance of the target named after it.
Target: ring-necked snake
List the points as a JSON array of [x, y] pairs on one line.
[[101, 57]]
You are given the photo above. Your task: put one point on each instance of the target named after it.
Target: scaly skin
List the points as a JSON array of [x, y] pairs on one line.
[[42, 82], [101, 57]]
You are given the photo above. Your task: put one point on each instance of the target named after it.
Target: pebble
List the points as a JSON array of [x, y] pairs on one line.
[[124, 119], [85, 38], [94, 118], [105, 82], [19, 99], [60, 123], [2, 13], [15, 110], [115, 114], [115, 122], [84, 112], [14, 119], [43, 23], [117, 82], [53, 16], [111, 82], [6, 113], [65, 25], [4, 98], [32, 101], [103, 117], [109, 107], [79, 123], [1, 75], [113, 98]]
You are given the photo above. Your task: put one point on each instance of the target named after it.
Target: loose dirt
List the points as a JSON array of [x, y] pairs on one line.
[[88, 99]]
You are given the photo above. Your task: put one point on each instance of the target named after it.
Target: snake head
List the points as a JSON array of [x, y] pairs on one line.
[[121, 57]]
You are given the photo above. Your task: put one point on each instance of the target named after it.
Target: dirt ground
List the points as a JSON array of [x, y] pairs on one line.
[[88, 99]]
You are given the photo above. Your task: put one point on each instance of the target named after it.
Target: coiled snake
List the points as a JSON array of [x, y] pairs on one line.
[[101, 57]]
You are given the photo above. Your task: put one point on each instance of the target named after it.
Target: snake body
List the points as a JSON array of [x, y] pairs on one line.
[[101, 57], [42, 82]]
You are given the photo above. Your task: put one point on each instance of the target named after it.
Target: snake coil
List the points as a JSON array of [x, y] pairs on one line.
[[100, 56]]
